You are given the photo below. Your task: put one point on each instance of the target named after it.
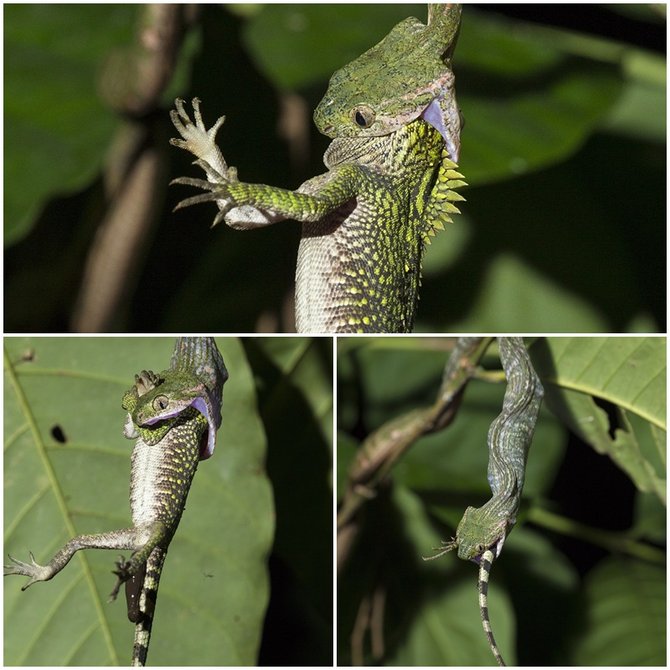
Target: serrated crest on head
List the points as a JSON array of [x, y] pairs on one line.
[[395, 82]]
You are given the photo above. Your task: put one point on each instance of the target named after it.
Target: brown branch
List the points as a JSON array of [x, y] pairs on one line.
[[131, 83], [382, 449]]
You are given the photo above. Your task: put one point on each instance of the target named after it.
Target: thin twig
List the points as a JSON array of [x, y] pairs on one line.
[[132, 83], [382, 449]]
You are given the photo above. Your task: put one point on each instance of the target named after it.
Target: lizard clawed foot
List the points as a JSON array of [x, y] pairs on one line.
[[446, 547], [217, 193], [186, 127], [36, 572], [196, 139], [123, 574]]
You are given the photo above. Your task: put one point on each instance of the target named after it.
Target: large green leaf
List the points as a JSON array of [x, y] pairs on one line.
[[66, 472], [513, 292], [628, 373], [624, 604]]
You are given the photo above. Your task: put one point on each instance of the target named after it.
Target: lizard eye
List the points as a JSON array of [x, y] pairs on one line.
[[160, 402], [363, 116]]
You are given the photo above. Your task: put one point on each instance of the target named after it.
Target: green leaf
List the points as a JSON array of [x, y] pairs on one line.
[[514, 294], [546, 101], [53, 115], [644, 91], [630, 374], [66, 472], [624, 603], [535, 574], [287, 41]]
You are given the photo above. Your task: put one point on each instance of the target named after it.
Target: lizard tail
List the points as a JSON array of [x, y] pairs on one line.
[[147, 604], [483, 585]]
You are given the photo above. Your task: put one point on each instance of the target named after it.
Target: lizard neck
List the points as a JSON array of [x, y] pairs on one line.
[[161, 473], [366, 256], [415, 146]]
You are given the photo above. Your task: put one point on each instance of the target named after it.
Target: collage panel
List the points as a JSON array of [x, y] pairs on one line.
[[435, 464], [331, 199], [463, 496], [239, 585]]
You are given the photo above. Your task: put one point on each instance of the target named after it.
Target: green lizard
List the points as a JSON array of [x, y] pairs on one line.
[[174, 417], [391, 180], [482, 531]]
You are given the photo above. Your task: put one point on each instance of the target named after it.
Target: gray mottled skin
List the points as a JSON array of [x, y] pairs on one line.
[[509, 438], [172, 416], [391, 183], [482, 531]]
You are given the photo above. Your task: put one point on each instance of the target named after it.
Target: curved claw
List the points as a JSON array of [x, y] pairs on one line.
[[192, 181], [122, 575], [33, 570], [203, 197]]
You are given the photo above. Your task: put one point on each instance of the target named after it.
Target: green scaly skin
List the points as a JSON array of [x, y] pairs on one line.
[[391, 182], [164, 461]]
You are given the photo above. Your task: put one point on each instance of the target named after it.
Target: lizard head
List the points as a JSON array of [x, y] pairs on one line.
[[405, 77], [478, 532], [176, 392]]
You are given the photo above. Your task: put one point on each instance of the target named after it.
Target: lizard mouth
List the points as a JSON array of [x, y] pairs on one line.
[[198, 404], [434, 115]]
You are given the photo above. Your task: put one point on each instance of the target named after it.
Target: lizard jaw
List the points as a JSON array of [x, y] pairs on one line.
[[447, 122]]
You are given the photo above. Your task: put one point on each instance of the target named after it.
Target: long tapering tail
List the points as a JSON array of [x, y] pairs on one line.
[[146, 606], [484, 571]]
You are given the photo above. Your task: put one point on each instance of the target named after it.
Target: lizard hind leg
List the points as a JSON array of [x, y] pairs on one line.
[[483, 587], [154, 536]]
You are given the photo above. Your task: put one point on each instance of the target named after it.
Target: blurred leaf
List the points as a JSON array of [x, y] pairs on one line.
[[300, 360], [631, 115], [287, 41], [66, 473], [546, 103], [535, 573], [625, 606], [53, 116], [514, 293], [650, 518]]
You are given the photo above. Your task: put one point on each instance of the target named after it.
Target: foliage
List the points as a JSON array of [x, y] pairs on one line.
[[579, 553], [66, 472], [559, 122]]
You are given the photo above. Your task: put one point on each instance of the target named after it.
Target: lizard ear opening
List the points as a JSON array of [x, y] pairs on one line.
[[363, 116]]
